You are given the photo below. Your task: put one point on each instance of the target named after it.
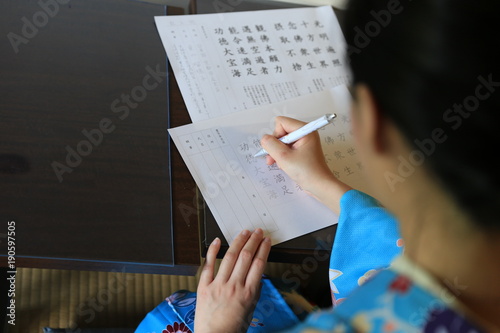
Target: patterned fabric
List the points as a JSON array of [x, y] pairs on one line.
[[402, 298], [367, 296], [176, 313], [367, 239], [390, 302]]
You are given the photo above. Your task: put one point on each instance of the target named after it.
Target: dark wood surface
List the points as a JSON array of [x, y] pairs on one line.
[[111, 210], [131, 205]]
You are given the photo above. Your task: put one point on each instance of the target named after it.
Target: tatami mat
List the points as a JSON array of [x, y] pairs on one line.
[[78, 299]]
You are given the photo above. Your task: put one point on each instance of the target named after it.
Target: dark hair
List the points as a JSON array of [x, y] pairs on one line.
[[424, 62]]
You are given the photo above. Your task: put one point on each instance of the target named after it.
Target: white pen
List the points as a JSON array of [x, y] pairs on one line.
[[303, 131]]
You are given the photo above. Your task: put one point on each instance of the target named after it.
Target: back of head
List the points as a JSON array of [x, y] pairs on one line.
[[433, 68]]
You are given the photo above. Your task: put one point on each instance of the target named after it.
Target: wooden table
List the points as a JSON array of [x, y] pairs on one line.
[[85, 78], [84, 151]]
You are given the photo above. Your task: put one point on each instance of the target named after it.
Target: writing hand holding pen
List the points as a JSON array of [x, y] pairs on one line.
[[304, 162]]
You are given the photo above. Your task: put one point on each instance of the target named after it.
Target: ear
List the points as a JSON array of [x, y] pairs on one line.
[[369, 124]]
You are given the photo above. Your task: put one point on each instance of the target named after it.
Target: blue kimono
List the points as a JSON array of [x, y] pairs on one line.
[[367, 294]]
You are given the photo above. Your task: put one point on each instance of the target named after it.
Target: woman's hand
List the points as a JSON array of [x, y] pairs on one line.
[[304, 162], [226, 303]]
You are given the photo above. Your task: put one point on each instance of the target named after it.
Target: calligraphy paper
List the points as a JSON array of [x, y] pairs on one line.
[[242, 191], [229, 62]]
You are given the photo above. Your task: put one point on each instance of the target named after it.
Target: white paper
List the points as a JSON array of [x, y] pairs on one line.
[[341, 4], [245, 193], [229, 62]]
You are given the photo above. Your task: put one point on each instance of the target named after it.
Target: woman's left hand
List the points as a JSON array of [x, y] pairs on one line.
[[226, 302]]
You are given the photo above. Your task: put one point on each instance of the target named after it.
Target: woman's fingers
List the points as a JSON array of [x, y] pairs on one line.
[[274, 147], [285, 125], [238, 260], [270, 160], [207, 274], [259, 263], [231, 256], [226, 305], [246, 256]]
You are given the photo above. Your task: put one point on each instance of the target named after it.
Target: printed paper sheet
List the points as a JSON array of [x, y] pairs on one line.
[[245, 193], [229, 62]]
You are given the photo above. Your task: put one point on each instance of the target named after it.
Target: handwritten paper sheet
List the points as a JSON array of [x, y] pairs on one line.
[[245, 193], [229, 62]]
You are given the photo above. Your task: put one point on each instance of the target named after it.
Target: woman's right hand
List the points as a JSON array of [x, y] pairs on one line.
[[304, 162]]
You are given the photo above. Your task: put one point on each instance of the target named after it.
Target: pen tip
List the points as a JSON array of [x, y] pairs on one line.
[[260, 153]]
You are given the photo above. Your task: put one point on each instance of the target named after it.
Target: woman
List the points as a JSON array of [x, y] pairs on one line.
[[426, 101]]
